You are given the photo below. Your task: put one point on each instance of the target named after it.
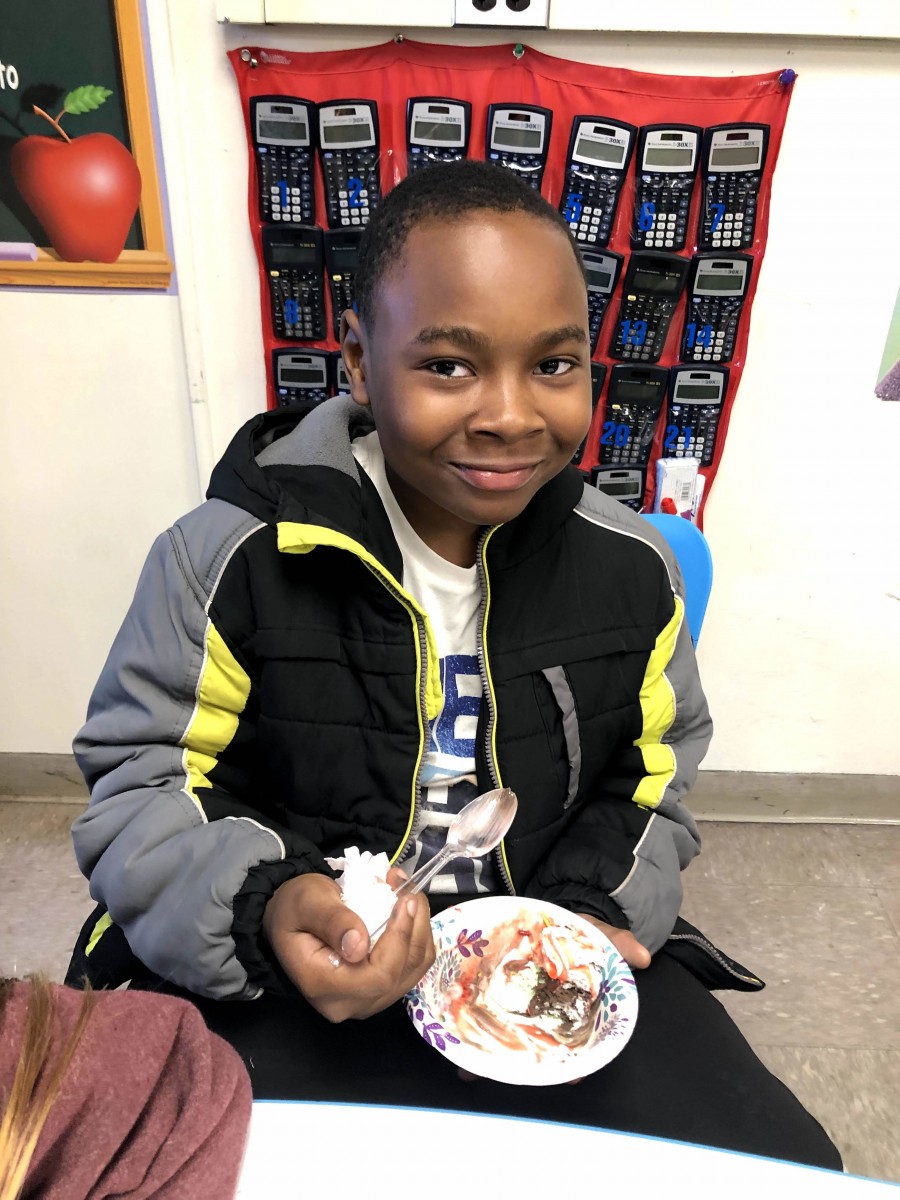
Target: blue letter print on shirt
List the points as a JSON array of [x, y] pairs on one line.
[[454, 731]]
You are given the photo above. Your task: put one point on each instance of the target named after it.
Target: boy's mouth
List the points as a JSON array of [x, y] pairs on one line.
[[497, 477]]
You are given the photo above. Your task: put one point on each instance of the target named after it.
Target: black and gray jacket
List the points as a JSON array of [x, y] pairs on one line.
[[268, 698]]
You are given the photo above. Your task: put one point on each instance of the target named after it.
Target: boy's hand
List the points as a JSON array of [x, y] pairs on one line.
[[636, 955], [324, 947]]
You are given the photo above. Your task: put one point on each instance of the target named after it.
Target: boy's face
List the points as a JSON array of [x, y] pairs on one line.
[[477, 369]]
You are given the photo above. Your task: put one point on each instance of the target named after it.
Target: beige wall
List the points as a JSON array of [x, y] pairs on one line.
[[114, 405]]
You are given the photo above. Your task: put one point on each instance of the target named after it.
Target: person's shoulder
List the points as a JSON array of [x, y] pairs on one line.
[[208, 537], [637, 535]]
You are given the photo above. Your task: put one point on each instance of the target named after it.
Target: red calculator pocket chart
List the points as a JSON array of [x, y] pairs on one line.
[[664, 180]]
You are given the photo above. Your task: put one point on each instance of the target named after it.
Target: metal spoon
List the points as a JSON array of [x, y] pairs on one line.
[[474, 831]]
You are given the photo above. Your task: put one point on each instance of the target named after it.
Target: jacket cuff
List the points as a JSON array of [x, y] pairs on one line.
[[251, 946]]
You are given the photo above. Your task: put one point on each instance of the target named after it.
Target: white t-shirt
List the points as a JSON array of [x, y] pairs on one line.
[[451, 596]]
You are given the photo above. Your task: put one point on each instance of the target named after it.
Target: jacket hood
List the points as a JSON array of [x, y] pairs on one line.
[[298, 466]]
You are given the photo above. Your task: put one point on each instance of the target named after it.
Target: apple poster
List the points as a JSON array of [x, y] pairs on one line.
[[68, 180]]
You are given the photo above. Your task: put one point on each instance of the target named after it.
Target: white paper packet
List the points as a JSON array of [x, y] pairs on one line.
[[364, 886]]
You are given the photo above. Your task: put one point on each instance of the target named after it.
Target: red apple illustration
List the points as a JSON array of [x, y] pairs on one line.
[[84, 190]]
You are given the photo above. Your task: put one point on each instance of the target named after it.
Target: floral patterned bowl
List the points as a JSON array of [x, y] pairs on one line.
[[523, 992]]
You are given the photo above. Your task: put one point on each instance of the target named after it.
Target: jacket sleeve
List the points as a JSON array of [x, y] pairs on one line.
[[621, 856], [175, 850]]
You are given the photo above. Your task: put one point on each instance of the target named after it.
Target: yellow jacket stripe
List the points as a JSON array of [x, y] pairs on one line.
[[222, 694], [658, 712]]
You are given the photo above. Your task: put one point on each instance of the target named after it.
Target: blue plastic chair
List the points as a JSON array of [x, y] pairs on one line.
[[692, 551]]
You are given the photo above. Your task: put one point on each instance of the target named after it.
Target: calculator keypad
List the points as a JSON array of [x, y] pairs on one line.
[[692, 432], [529, 167], [589, 204], [341, 298], [418, 157], [352, 187], [710, 329], [598, 303], [728, 214], [297, 306], [627, 434], [286, 192], [293, 395], [641, 329], [670, 198]]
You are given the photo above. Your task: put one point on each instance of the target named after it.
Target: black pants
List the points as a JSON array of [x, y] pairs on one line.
[[687, 1073]]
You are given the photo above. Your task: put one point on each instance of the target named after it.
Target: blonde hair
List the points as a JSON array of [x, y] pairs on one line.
[[37, 1080]]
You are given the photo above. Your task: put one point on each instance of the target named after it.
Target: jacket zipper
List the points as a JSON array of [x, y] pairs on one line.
[[713, 953], [493, 768], [409, 839]]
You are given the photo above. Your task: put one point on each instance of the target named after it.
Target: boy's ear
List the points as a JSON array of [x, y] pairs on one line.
[[354, 354]]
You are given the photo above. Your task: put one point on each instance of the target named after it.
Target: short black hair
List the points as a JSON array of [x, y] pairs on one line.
[[443, 192]]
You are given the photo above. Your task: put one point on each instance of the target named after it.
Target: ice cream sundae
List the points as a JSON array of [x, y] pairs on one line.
[[536, 988]]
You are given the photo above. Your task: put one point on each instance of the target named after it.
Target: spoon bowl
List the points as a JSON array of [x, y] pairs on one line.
[[476, 829]]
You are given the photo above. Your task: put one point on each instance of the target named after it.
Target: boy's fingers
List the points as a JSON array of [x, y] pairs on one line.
[[636, 955], [326, 917]]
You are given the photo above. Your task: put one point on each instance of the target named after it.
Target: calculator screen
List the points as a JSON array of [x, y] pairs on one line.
[[649, 281], [668, 156], [600, 151], [347, 133], [697, 391], [735, 156], [707, 282], [635, 390], [301, 375], [292, 130], [293, 256], [617, 489], [602, 280], [344, 258], [432, 131], [517, 139]]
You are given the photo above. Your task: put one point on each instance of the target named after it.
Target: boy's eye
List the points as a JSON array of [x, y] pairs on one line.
[[448, 368], [555, 366]]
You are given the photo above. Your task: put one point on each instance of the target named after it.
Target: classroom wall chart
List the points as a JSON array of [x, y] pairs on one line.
[[664, 180]]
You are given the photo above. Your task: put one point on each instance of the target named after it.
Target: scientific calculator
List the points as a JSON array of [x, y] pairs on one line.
[[518, 137], [625, 484], [667, 161], [599, 153], [634, 401], [733, 161], [341, 258], [696, 398], [602, 269], [598, 375], [284, 131], [437, 130], [295, 264], [300, 376], [650, 293], [348, 146], [716, 295]]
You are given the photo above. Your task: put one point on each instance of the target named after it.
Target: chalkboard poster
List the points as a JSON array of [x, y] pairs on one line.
[[82, 65]]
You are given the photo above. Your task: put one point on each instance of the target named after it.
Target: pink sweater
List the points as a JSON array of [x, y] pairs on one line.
[[153, 1104]]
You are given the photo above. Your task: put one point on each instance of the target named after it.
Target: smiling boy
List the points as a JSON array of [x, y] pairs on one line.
[[386, 606]]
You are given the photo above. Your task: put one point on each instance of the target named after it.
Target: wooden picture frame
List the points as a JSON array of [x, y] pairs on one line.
[[151, 267]]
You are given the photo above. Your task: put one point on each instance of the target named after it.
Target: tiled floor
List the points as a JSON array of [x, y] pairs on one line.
[[814, 909]]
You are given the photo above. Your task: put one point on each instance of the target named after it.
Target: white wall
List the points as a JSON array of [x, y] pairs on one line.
[[801, 649]]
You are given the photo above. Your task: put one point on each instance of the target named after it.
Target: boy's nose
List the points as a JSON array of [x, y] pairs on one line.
[[506, 410]]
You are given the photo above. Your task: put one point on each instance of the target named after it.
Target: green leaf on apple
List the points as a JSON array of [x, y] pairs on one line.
[[86, 99]]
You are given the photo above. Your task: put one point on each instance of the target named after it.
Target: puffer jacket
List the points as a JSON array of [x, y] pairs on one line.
[[267, 703]]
